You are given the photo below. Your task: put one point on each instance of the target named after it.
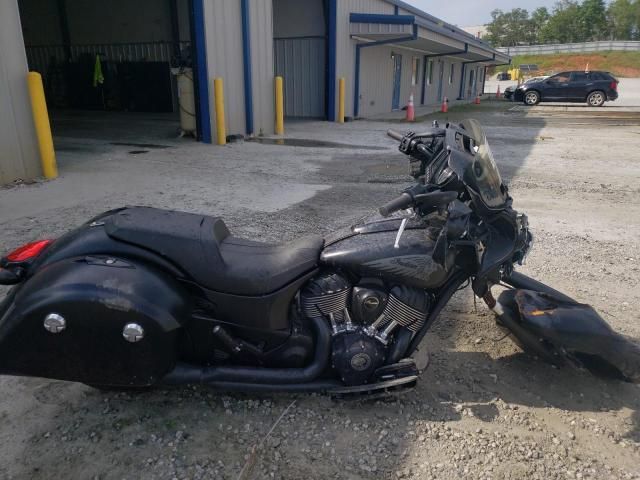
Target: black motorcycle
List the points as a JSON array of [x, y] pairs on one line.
[[138, 296]]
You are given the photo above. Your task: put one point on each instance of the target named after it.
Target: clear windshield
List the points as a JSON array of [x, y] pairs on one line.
[[484, 171]]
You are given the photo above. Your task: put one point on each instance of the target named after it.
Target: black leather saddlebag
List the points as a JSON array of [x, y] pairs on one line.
[[98, 320]]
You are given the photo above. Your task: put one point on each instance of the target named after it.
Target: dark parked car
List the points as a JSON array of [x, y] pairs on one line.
[[595, 88], [504, 76], [508, 92]]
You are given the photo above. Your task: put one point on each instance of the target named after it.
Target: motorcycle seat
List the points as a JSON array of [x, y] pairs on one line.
[[203, 248]]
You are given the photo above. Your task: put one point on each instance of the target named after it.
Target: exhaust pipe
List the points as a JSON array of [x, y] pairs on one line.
[[236, 377]]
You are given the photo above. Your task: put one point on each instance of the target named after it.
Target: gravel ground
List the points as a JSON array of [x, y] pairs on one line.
[[481, 410]]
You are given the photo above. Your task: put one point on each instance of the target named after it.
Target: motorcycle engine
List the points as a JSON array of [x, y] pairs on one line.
[[364, 320]]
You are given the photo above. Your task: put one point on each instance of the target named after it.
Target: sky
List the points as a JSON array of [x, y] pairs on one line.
[[474, 12]]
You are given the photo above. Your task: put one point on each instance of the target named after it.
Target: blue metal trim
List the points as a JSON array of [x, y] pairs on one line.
[[425, 61], [332, 42], [246, 56], [484, 79], [382, 18], [462, 75], [356, 89], [204, 117]]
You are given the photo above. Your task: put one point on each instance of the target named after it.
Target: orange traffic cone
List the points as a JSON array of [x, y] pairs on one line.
[[477, 100], [411, 112], [445, 105], [498, 92]]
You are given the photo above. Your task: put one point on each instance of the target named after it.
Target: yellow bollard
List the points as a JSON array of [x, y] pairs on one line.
[[279, 107], [221, 130], [41, 122], [341, 100]]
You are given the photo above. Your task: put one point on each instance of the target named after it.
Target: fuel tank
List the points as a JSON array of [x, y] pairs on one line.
[[367, 249]]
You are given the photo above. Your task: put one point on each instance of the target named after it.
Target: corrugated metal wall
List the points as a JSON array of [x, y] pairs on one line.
[[223, 29], [298, 62], [301, 63], [261, 19], [19, 157], [345, 47], [224, 59], [299, 51], [376, 66]]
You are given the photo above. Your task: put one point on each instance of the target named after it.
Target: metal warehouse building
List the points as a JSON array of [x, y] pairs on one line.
[[384, 50]]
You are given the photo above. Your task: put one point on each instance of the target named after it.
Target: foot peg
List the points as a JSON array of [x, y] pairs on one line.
[[388, 380]]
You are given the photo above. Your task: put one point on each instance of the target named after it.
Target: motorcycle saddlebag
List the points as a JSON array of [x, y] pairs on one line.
[[68, 322], [559, 330]]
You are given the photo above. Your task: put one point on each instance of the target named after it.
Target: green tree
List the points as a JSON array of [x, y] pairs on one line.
[[635, 12], [564, 25], [621, 19], [496, 28], [539, 18], [570, 21], [507, 29], [593, 20]]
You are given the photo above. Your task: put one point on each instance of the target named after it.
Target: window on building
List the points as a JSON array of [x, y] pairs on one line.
[[430, 72], [415, 69], [452, 72]]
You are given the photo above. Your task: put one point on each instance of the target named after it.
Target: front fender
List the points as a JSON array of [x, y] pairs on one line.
[[561, 330]]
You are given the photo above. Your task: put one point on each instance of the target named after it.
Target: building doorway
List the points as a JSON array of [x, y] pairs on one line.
[[299, 48], [106, 68]]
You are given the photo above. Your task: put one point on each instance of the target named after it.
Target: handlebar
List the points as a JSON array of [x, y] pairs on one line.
[[395, 134], [413, 197], [400, 203]]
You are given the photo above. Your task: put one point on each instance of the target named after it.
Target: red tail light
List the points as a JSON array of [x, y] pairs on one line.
[[614, 85], [28, 252]]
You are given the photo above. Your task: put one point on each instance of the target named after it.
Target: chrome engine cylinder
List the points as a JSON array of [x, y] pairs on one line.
[[326, 296], [406, 307]]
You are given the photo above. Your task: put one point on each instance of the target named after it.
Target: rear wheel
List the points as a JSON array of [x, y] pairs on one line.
[[596, 99], [531, 98]]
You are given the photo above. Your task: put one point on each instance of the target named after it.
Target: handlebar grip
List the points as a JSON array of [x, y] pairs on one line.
[[395, 134], [422, 149], [403, 201]]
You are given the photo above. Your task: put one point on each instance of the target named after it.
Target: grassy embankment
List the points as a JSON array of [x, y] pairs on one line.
[[620, 64]]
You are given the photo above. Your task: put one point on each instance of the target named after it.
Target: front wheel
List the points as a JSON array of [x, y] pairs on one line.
[[596, 99], [531, 98]]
